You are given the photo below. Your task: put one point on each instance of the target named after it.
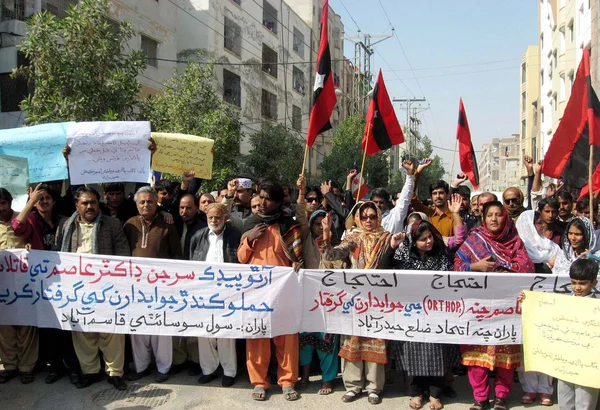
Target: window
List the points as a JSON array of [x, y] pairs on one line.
[[542, 77], [298, 80], [562, 39], [542, 41], [571, 34], [270, 17], [269, 58], [269, 105], [542, 113], [571, 79], [523, 73], [233, 37], [534, 149], [296, 118], [14, 90], [150, 49], [523, 101], [555, 59], [523, 129], [337, 38], [555, 101], [562, 87], [298, 42], [238, 2], [232, 90]]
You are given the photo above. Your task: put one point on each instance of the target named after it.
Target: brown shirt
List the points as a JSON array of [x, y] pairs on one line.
[[157, 239], [8, 238]]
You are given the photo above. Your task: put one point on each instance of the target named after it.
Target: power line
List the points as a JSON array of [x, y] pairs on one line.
[[350, 15], [396, 74]]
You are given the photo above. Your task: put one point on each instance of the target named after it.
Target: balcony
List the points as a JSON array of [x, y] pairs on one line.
[[12, 10]]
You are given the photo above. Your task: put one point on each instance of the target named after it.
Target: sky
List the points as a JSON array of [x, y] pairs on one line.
[[483, 39]]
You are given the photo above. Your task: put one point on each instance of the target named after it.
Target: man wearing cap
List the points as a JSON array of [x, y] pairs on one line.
[[241, 199]]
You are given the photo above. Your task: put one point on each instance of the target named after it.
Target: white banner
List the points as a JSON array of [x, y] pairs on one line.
[[109, 151], [115, 294], [441, 307]]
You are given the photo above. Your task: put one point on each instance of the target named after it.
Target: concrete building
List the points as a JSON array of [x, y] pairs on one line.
[[499, 166], [528, 106], [154, 22], [565, 28]]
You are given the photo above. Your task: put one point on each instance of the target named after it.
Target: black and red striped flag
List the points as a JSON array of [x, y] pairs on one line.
[[466, 153], [568, 156], [382, 130], [324, 99]]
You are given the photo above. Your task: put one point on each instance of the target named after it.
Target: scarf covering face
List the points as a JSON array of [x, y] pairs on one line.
[[373, 244], [407, 256], [520, 209], [539, 248], [290, 233]]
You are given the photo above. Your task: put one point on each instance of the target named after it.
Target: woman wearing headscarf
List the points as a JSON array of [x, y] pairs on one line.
[[493, 247], [363, 358], [542, 251], [579, 238], [422, 248]]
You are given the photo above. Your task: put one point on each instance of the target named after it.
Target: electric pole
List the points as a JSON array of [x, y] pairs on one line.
[[411, 132]]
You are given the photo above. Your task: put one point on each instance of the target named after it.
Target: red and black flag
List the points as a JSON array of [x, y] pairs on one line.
[[466, 153], [568, 156], [324, 99], [382, 130]]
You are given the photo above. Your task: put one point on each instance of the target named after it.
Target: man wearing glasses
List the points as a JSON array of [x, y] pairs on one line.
[[513, 202]]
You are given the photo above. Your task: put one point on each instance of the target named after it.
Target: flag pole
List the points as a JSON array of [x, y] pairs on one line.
[[362, 167], [304, 161], [453, 161]]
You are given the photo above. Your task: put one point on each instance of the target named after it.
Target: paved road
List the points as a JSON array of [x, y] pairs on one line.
[[183, 392]]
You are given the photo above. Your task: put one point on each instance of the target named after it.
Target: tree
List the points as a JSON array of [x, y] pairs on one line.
[[347, 152], [78, 68], [276, 154], [396, 182], [432, 173], [190, 104]]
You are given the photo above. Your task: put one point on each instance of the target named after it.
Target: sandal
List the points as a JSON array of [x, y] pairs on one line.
[[499, 404], [480, 405], [374, 398], [6, 375], [435, 404], [325, 389], [302, 384], [416, 402], [27, 377], [290, 394], [259, 393], [546, 399], [350, 396], [527, 398]]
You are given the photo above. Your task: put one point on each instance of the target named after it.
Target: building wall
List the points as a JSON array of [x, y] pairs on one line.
[[528, 106], [500, 164]]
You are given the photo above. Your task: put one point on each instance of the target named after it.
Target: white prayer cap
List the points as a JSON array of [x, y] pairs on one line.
[[215, 194], [245, 183]]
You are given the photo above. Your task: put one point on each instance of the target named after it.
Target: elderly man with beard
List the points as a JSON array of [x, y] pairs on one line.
[[150, 236], [270, 238], [89, 231], [18, 344], [218, 243], [513, 202]]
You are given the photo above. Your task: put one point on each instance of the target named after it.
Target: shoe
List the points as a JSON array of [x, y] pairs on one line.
[[88, 379], [374, 398], [27, 377], [162, 377], [350, 396], [74, 378], [207, 378], [53, 377], [480, 405], [177, 368], [117, 382], [227, 381], [194, 369], [449, 392], [499, 404], [527, 398], [6, 375], [136, 376], [546, 399]]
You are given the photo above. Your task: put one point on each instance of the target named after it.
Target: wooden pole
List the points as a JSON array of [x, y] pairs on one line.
[[304, 161], [453, 161], [590, 185], [362, 167]]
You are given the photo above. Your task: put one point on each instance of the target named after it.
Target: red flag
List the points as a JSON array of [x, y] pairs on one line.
[[382, 129], [568, 154], [364, 188], [324, 99], [466, 153]]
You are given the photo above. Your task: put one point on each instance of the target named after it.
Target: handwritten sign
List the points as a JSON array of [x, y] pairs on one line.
[[146, 296], [42, 145], [177, 153], [441, 307], [560, 337], [14, 176], [109, 152]]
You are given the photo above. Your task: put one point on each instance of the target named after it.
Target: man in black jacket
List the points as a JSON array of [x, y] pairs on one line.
[[216, 244]]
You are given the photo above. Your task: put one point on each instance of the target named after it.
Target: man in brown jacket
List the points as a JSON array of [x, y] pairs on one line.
[[88, 231], [150, 236]]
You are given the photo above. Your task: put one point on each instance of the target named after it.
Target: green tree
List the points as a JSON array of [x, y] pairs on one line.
[[78, 68], [276, 154], [432, 173], [190, 104], [396, 182], [347, 152]]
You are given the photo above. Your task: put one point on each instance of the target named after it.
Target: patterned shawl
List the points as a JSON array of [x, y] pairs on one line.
[[407, 257], [371, 244], [70, 228]]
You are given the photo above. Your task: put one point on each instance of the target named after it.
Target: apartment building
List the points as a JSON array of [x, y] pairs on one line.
[[499, 165], [528, 106]]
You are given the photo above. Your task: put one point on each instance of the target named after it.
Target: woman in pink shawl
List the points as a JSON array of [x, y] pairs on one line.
[[493, 247]]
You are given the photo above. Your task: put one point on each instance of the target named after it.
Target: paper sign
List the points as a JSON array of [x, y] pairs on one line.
[[14, 176], [106, 151], [42, 145], [561, 335], [178, 153]]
